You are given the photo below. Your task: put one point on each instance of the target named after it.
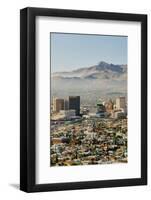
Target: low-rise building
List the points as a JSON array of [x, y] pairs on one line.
[[67, 113]]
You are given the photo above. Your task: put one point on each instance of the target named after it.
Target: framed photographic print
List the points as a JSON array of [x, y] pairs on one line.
[[83, 99]]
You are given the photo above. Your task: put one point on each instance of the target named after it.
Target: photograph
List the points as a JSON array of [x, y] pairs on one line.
[[83, 99], [88, 99]]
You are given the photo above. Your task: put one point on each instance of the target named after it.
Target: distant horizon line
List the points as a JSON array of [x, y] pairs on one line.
[[90, 65]]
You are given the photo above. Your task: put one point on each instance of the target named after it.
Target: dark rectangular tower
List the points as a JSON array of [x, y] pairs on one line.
[[74, 104]]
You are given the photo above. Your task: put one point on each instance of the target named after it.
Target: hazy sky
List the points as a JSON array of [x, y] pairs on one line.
[[73, 51]]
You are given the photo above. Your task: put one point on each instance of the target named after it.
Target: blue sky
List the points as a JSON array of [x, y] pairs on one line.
[[73, 51]]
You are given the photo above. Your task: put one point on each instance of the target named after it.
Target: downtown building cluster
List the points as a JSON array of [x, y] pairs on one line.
[[80, 137]]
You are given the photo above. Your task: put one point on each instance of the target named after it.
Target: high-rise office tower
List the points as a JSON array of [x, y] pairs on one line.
[[58, 104], [120, 102], [74, 104]]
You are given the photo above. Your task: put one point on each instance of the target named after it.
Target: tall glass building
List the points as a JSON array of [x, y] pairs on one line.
[[74, 104]]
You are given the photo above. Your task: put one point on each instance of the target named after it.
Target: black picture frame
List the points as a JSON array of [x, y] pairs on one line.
[[28, 99]]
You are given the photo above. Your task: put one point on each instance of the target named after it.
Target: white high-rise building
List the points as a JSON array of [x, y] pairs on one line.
[[121, 103]]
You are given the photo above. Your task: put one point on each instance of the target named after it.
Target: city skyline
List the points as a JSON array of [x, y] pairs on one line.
[[87, 138], [73, 51], [88, 99]]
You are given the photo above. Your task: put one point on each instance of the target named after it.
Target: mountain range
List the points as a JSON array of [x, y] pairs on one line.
[[103, 80], [102, 70]]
